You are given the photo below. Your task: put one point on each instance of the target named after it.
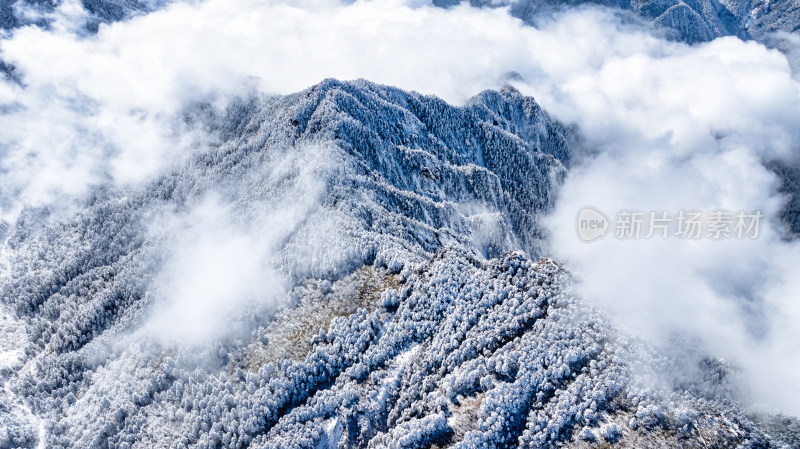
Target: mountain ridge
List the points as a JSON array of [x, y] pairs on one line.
[[412, 312]]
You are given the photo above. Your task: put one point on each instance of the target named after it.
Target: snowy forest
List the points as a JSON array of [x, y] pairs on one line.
[[215, 262]]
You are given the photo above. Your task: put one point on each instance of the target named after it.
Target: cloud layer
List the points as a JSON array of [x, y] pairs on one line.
[[221, 267], [671, 128], [666, 126]]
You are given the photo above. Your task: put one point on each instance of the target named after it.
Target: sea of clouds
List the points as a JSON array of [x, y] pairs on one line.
[[665, 126]]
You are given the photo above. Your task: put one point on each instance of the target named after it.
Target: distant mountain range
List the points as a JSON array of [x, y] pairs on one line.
[[16, 13], [689, 21]]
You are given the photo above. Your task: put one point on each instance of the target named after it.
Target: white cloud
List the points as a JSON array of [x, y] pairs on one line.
[[221, 256], [667, 126], [214, 271], [108, 102], [677, 128]]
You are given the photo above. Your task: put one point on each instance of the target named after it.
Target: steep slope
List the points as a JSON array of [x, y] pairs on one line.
[[401, 317], [396, 176], [780, 15], [789, 176]]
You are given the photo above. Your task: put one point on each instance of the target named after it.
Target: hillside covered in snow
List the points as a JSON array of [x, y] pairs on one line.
[[393, 243], [336, 224]]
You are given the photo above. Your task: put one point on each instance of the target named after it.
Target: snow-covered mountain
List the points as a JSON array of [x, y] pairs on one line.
[[693, 21], [400, 301], [17, 13]]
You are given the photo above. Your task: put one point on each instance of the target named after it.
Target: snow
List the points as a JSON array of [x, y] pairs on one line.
[[457, 335]]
